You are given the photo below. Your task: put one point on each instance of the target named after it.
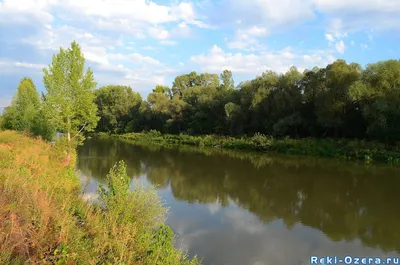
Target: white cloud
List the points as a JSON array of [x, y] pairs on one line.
[[246, 39], [135, 58], [337, 28], [256, 31], [25, 12], [159, 33], [29, 65], [258, 12], [183, 30], [341, 17], [216, 60], [185, 11], [329, 37], [97, 50], [6, 65], [353, 15], [53, 38], [144, 59], [133, 17], [340, 47], [135, 10], [95, 54], [247, 44], [357, 6]]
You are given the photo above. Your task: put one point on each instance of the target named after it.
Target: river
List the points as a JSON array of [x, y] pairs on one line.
[[245, 208]]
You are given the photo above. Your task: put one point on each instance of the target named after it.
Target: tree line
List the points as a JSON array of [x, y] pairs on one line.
[[342, 100]]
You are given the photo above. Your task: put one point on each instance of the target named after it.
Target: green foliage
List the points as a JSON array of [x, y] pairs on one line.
[[69, 102], [341, 100], [346, 149], [227, 80], [141, 208], [8, 118], [117, 106], [26, 112]]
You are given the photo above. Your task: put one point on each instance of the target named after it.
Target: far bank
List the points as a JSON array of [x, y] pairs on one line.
[[358, 150]]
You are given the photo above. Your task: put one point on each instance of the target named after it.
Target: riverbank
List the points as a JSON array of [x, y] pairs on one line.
[[346, 149], [44, 220]]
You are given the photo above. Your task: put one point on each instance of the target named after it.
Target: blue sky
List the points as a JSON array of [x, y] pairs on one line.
[[142, 43]]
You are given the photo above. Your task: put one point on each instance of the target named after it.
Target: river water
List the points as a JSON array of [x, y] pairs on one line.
[[246, 208]]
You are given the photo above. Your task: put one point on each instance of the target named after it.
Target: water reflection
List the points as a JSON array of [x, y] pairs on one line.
[[245, 208]]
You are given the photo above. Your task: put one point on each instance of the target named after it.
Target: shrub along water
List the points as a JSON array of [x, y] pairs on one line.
[[342, 148], [43, 219]]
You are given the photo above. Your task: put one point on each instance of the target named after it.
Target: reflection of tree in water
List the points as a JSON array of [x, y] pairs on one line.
[[343, 200], [96, 158]]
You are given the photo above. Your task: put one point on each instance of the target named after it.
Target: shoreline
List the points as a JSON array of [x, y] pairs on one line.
[[355, 150]]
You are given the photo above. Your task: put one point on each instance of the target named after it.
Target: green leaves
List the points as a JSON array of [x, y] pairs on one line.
[[26, 112], [70, 95], [227, 80], [340, 100], [117, 105]]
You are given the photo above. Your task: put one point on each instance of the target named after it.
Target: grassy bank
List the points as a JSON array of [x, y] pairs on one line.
[[43, 219], [347, 149]]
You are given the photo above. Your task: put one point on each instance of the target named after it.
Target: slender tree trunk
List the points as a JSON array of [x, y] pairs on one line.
[[69, 141], [68, 157]]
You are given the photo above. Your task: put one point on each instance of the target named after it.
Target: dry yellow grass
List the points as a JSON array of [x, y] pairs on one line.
[[44, 220], [28, 194]]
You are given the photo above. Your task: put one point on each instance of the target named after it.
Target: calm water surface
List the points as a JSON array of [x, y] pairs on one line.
[[239, 208]]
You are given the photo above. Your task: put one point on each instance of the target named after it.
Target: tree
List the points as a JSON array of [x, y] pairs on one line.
[[379, 93], [334, 102], [25, 113], [163, 89], [183, 82], [175, 109], [340, 100], [70, 94], [233, 113], [227, 80], [287, 100], [159, 103], [8, 118], [115, 106], [26, 104]]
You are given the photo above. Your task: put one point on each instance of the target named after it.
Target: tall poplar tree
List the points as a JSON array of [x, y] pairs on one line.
[[70, 94]]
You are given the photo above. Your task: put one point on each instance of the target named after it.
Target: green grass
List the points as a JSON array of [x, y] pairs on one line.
[[44, 220], [346, 149]]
